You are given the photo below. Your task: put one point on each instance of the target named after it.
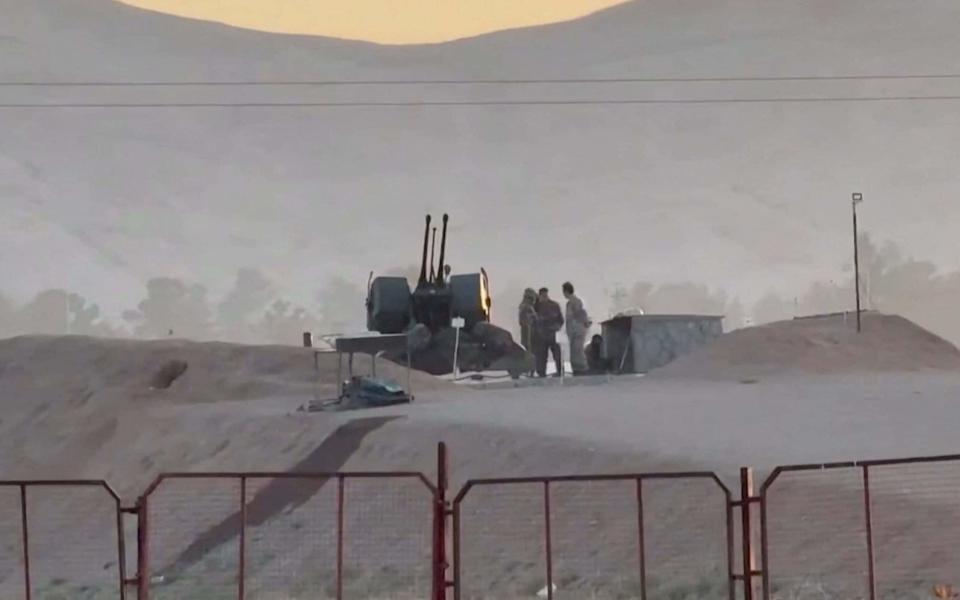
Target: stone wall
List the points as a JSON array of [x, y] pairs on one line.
[[658, 342]]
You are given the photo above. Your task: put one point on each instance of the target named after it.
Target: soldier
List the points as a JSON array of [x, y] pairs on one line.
[[528, 320], [578, 325], [549, 322], [596, 362]]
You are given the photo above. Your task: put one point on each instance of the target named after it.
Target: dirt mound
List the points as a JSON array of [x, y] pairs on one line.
[[819, 345], [217, 371], [127, 409]]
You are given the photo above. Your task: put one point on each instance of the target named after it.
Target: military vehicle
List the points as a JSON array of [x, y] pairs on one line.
[[427, 312]]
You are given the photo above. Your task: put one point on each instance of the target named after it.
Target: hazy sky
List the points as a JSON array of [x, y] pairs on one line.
[[383, 21]]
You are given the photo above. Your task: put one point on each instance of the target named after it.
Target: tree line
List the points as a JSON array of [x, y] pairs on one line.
[[252, 311], [255, 311]]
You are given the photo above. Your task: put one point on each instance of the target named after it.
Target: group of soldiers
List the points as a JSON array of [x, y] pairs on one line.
[[541, 319]]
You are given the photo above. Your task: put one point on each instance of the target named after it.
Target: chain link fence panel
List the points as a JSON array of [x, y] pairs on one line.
[[387, 539], [914, 509], [194, 538], [816, 536], [501, 548], [291, 540], [72, 542], [12, 580], [601, 538], [303, 537], [687, 539]]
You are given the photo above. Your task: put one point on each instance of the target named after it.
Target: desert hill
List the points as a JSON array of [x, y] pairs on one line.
[[92, 197]]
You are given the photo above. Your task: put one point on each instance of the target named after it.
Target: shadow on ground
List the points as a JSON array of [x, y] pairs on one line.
[[282, 494]]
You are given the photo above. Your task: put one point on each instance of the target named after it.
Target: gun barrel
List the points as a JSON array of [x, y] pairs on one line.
[[423, 260], [433, 246], [443, 249]]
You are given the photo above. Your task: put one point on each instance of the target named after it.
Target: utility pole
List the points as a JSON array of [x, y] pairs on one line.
[[857, 199]]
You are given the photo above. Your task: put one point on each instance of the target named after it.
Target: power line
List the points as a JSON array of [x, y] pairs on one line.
[[543, 81], [453, 103]]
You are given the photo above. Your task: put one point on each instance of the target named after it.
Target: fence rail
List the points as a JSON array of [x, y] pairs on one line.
[[866, 529]]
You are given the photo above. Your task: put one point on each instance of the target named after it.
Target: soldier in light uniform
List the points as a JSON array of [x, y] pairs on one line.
[[578, 325]]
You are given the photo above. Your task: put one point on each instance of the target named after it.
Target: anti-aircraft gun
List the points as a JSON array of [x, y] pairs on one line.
[[392, 307], [426, 314]]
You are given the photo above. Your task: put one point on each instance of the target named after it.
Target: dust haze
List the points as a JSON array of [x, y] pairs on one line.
[[139, 200]]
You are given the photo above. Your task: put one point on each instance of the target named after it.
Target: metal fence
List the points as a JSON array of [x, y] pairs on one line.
[[869, 529], [856, 530], [265, 536], [61, 539], [598, 537]]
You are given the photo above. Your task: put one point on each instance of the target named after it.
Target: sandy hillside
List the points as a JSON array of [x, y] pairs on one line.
[[820, 345], [67, 398]]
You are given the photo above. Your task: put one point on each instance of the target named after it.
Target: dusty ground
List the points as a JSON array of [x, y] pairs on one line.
[[76, 407]]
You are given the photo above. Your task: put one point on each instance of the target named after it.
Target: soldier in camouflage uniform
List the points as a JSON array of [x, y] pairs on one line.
[[528, 319]]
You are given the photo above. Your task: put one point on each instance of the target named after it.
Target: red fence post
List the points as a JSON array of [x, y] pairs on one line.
[[749, 560], [439, 591], [641, 544], [546, 516], [143, 550], [872, 582], [26, 540], [242, 574], [457, 582], [731, 550], [764, 543], [340, 504], [122, 551]]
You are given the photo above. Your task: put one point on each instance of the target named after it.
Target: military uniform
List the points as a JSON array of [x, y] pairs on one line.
[[549, 322], [578, 325], [527, 319], [596, 362]]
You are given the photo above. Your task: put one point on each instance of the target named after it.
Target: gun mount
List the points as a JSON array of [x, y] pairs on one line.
[[426, 312], [435, 300]]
